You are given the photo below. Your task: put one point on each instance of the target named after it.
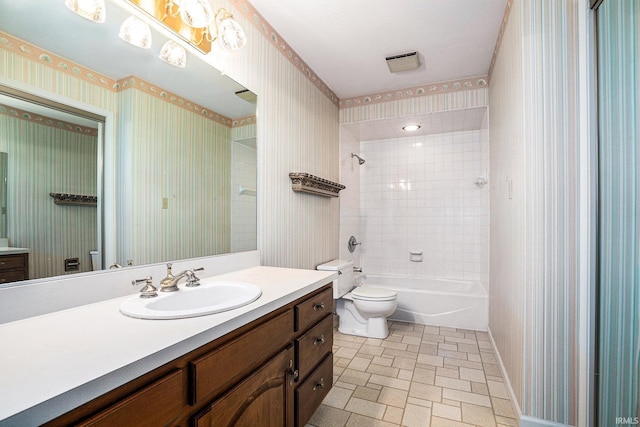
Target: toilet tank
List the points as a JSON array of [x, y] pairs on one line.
[[344, 282]]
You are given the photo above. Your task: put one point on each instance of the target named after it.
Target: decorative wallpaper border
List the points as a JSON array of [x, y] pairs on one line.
[[503, 26], [244, 121], [16, 113], [27, 50], [133, 82], [34, 53], [423, 90], [250, 12]]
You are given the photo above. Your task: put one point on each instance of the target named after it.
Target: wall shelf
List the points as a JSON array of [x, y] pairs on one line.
[[74, 199], [308, 183]]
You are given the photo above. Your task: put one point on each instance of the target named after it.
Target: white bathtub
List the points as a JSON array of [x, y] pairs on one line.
[[437, 302]]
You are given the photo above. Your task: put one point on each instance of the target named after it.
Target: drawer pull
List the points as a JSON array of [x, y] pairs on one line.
[[319, 385], [319, 340], [294, 374], [318, 306]]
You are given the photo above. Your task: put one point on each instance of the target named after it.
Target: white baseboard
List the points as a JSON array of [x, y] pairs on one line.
[[507, 382], [537, 422], [523, 420]]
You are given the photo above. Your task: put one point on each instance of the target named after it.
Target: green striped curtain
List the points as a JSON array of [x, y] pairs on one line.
[[619, 150]]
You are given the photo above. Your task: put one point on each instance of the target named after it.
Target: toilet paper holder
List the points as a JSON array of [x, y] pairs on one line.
[[415, 256]]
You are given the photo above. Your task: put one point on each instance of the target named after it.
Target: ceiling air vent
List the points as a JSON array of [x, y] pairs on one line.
[[404, 62], [247, 95]]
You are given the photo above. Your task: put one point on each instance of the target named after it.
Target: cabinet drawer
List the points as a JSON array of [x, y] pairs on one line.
[[310, 393], [314, 346], [314, 309], [8, 262], [12, 276], [216, 371], [158, 404]]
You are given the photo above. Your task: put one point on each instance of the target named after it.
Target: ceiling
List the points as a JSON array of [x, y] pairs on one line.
[[346, 42]]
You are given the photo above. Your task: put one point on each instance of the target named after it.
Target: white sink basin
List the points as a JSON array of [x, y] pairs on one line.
[[208, 298]]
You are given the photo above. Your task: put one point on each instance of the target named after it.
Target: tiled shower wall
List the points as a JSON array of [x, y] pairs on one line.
[[417, 194]]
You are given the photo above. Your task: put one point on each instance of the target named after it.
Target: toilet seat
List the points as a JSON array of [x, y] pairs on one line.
[[368, 293]]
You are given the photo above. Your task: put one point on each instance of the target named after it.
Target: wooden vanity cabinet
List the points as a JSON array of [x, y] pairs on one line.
[[14, 267], [272, 372]]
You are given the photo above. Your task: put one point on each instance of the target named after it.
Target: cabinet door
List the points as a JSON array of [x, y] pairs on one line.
[[264, 399]]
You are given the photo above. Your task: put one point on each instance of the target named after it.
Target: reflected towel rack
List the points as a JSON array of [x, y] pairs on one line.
[[74, 199], [246, 190]]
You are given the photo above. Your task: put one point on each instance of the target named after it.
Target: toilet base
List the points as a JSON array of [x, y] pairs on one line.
[[350, 322]]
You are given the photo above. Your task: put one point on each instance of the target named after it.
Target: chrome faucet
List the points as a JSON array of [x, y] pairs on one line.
[[170, 282]]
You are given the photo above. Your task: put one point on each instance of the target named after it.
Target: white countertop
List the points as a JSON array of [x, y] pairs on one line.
[[10, 251], [56, 362]]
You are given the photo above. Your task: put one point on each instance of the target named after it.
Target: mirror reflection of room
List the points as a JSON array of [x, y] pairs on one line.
[[181, 154]]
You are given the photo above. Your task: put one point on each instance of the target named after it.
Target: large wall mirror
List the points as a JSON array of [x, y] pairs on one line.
[[182, 153]]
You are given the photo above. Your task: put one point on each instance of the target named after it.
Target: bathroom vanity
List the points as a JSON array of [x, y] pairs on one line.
[[267, 363], [14, 264]]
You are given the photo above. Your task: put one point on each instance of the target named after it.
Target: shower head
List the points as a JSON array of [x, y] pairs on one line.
[[360, 159]]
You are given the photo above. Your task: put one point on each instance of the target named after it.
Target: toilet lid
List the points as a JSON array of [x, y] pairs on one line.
[[373, 294]]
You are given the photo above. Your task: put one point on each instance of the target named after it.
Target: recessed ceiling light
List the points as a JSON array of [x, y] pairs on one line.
[[411, 128]]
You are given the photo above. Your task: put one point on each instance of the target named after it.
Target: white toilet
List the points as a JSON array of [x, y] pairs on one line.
[[361, 311]]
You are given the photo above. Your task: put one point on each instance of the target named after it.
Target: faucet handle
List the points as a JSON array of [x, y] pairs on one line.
[[193, 280], [148, 290]]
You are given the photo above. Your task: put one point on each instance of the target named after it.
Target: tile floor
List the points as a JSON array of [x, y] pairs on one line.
[[422, 376]]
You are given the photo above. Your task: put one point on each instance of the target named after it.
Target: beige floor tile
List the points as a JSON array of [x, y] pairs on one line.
[[393, 414], [371, 349], [348, 386], [463, 363], [448, 346], [345, 352], [432, 338], [359, 364], [419, 402], [337, 397], [393, 397], [453, 383], [475, 375], [443, 422], [327, 416], [412, 340], [416, 416], [478, 415], [394, 345], [503, 407], [366, 393], [445, 411], [497, 389], [399, 353], [404, 363], [366, 408], [352, 376], [469, 348], [448, 372], [466, 397], [357, 420], [424, 376], [390, 382], [405, 374], [452, 354], [428, 348], [426, 391], [387, 371], [479, 388], [506, 421], [474, 357], [418, 375], [428, 359], [384, 361]]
